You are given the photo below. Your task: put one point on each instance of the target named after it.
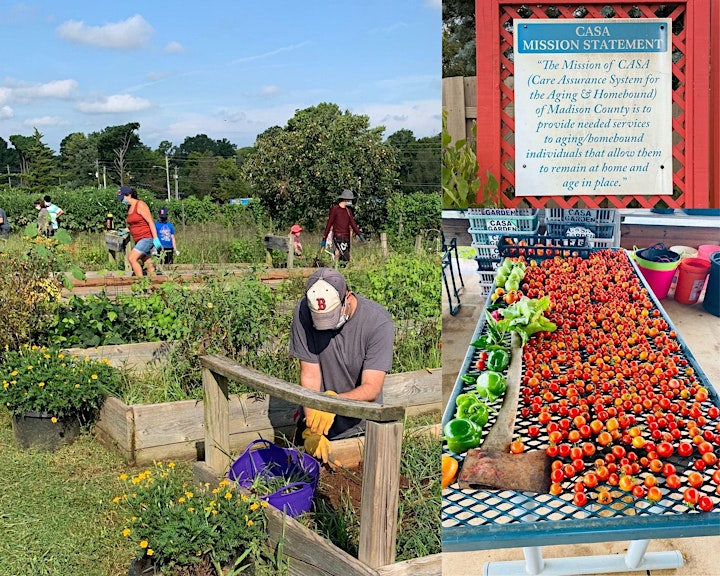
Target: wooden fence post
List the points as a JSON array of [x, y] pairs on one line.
[[383, 244], [380, 488], [217, 421]]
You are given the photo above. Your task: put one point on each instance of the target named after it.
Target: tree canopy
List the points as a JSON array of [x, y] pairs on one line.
[[458, 38], [298, 171]]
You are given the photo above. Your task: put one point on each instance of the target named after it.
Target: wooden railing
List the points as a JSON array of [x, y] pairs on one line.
[[383, 440]]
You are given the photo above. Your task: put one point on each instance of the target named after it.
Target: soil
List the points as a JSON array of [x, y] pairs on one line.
[[339, 483]]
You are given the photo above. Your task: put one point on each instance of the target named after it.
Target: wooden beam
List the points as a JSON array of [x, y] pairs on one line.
[[425, 566], [379, 499], [299, 395], [217, 421]]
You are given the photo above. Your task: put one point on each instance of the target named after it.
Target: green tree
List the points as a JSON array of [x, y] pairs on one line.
[[201, 174], [114, 144], [230, 181], [458, 38], [9, 162], [78, 156], [297, 171], [42, 171], [202, 143], [419, 160]]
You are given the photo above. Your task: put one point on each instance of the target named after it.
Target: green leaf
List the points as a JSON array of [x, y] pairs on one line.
[[63, 237], [77, 273]]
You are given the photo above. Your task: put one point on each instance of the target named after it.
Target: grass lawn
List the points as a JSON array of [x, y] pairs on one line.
[[58, 517]]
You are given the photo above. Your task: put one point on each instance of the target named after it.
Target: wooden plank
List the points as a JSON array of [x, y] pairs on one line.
[[421, 389], [135, 357], [643, 236], [379, 499], [217, 421], [453, 100], [425, 566], [299, 395], [114, 427]]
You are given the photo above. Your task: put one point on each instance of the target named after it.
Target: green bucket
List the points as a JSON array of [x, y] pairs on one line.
[[650, 265]]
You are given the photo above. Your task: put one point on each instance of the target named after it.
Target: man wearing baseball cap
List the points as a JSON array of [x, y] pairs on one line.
[[345, 346]]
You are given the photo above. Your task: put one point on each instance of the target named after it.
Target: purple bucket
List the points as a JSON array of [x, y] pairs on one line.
[[273, 462]]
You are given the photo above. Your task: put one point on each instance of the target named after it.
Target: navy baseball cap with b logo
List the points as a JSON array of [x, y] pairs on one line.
[[326, 290]]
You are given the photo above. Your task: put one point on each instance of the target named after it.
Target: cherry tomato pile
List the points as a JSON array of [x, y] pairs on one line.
[[610, 395]]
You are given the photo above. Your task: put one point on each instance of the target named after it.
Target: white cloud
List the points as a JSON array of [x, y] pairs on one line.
[[174, 48], [269, 90], [423, 117], [133, 33], [25, 92], [45, 121], [113, 104], [6, 112]]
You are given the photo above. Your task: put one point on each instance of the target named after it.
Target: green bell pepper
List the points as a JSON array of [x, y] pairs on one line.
[[498, 360], [461, 434], [491, 385], [471, 407], [469, 378]]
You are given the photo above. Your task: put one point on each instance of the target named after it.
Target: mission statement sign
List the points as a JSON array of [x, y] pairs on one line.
[[593, 107]]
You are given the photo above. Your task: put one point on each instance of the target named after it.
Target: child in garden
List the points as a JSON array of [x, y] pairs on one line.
[[166, 234], [295, 231], [44, 223]]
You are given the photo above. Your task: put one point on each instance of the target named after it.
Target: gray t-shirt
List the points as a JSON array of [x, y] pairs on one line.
[[4, 224], [365, 342]]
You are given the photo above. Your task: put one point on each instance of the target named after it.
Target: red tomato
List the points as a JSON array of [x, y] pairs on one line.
[[685, 449], [580, 499], [673, 481], [695, 479], [705, 503], [664, 449], [691, 496]]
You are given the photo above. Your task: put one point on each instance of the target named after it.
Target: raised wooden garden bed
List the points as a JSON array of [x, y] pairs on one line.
[[143, 433]]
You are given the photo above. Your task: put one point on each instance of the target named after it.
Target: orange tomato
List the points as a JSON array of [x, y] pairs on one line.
[[449, 470]]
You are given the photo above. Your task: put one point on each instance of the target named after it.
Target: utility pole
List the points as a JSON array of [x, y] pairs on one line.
[[97, 172], [167, 176], [104, 176], [175, 177], [9, 179]]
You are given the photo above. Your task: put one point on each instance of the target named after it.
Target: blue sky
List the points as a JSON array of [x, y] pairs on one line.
[[224, 68]]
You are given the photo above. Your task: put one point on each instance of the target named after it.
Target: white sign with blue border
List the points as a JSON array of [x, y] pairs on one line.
[[593, 107]]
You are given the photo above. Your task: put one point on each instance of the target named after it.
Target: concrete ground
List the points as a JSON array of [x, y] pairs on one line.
[[701, 332]]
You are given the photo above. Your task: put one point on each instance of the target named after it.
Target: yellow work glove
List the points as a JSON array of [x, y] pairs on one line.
[[316, 445], [317, 420]]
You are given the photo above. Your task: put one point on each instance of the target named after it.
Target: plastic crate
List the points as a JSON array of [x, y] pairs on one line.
[[487, 237], [503, 219], [543, 247], [602, 222], [486, 277], [487, 251], [487, 264], [485, 289]]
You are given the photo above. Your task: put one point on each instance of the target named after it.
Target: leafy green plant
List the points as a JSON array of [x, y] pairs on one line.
[[461, 182], [38, 379], [176, 525]]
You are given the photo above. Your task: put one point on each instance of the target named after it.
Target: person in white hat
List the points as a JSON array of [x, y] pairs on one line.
[[344, 343], [341, 222]]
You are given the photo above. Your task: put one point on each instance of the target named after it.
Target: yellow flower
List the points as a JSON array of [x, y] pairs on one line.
[[181, 499], [143, 543], [116, 499], [46, 356], [171, 464], [126, 532], [41, 384], [228, 495], [250, 522], [5, 384], [123, 476], [189, 494], [94, 376], [254, 506], [61, 355], [214, 511], [53, 420], [191, 509], [209, 305], [149, 552], [30, 367], [14, 373]]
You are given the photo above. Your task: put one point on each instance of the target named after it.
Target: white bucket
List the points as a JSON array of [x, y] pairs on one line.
[[685, 251]]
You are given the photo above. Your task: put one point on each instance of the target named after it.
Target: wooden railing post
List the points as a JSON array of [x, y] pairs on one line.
[[217, 421], [380, 490]]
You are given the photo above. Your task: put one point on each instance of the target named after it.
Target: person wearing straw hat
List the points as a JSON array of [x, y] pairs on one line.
[[341, 222], [344, 343]]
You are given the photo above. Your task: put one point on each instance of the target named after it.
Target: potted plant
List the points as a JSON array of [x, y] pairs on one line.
[[180, 530], [52, 395]]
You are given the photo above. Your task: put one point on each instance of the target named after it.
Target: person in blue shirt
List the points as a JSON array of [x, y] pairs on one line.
[[166, 234]]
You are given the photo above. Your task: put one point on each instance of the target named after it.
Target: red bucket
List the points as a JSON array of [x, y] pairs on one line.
[[691, 280]]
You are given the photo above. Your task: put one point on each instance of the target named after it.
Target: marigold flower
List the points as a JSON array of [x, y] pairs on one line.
[[53, 420], [143, 543], [30, 367], [41, 384], [126, 532], [94, 376], [254, 506], [149, 552], [228, 495], [123, 476]]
